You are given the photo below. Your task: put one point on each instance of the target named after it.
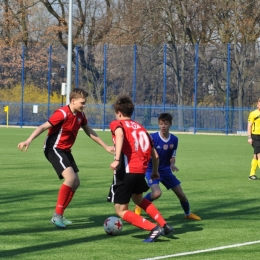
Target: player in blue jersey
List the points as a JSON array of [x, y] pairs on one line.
[[166, 145]]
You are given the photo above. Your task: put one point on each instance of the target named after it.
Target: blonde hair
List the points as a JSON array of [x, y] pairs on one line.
[[78, 93]]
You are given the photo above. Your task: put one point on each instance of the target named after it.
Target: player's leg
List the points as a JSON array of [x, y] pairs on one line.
[[66, 169], [123, 212], [70, 197], [184, 203], [65, 194], [256, 146], [120, 194], [74, 187], [153, 212], [151, 196], [136, 220], [140, 187], [121, 197], [254, 164]]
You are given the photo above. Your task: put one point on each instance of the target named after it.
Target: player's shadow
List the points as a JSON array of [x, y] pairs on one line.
[[186, 225], [161, 239]]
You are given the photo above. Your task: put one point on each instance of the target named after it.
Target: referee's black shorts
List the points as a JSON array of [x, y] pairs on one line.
[[121, 189], [256, 143], [60, 160]]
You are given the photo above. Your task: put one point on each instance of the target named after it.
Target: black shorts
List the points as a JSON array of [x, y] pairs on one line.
[[256, 143], [60, 160], [121, 189]]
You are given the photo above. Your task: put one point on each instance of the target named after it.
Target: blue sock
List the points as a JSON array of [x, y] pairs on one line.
[[186, 207], [148, 196]]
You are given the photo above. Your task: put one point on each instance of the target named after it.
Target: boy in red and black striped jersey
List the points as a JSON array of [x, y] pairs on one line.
[[63, 128], [133, 149]]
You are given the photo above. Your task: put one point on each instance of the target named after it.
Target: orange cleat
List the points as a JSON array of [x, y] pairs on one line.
[[192, 216]]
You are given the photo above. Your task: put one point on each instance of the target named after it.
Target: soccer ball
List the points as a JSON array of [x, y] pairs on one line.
[[113, 226]]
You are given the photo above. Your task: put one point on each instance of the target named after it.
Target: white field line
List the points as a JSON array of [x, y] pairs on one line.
[[203, 251]]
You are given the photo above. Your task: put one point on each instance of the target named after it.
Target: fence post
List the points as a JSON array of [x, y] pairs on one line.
[[77, 66], [21, 112], [134, 80], [195, 85], [105, 84], [49, 80], [228, 86], [164, 76]]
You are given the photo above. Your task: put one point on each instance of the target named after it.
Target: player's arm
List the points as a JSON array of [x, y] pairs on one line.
[[155, 162], [93, 135], [173, 161], [249, 132], [23, 146], [119, 139]]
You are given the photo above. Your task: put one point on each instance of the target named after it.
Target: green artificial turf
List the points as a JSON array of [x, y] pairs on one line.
[[214, 174]]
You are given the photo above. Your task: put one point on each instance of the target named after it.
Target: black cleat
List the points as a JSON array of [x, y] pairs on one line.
[[167, 229], [155, 233]]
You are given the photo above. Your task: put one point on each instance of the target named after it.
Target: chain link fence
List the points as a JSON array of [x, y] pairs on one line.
[[207, 88]]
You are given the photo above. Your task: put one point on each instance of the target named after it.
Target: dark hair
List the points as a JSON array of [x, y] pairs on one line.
[[165, 117], [78, 93], [124, 105]]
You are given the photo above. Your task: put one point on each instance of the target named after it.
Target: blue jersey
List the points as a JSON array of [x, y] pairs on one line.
[[166, 149]]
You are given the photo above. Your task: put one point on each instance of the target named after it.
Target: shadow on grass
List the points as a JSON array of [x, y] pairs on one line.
[[78, 224], [232, 209]]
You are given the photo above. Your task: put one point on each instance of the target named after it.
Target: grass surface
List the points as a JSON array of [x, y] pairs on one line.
[[213, 171]]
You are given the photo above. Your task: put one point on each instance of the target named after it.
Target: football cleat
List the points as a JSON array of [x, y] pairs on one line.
[[138, 210], [66, 221], [253, 177], [167, 229], [154, 234], [192, 216], [57, 220]]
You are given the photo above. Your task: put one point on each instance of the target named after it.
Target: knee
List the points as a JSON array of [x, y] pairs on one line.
[[156, 194], [120, 213], [73, 182], [76, 184]]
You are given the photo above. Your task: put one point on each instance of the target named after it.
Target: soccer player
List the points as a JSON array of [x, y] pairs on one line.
[[133, 149], [253, 132], [166, 145], [63, 128]]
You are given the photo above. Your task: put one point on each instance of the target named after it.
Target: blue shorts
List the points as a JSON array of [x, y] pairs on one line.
[[167, 178]]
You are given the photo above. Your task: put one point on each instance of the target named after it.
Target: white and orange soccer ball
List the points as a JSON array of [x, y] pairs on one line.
[[113, 226]]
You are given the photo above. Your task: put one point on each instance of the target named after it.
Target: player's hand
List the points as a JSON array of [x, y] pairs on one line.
[[23, 146], [174, 168], [114, 165], [110, 149], [155, 176], [250, 141]]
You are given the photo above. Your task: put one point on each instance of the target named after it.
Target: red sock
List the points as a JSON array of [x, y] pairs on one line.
[[152, 211], [69, 199], [63, 195], [138, 221]]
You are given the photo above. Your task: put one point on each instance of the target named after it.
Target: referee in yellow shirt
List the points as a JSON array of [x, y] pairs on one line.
[[253, 132]]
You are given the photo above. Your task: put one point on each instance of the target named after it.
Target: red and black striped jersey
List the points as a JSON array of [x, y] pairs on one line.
[[64, 130], [137, 145]]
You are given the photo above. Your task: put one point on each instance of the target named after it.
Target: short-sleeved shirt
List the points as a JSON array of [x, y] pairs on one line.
[[65, 126], [254, 118], [137, 145], [166, 149]]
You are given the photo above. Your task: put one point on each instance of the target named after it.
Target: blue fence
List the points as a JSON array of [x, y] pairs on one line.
[[199, 119], [206, 88]]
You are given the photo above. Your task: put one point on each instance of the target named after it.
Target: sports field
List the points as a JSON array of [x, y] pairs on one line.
[[214, 173]]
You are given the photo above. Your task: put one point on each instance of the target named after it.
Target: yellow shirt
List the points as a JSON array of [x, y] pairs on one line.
[[254, 118]]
